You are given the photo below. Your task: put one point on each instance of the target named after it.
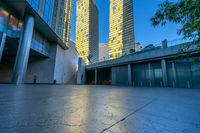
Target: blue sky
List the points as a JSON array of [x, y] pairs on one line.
[[144, 32]]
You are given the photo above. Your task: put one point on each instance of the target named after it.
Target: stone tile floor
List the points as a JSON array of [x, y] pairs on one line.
[[98, 109]]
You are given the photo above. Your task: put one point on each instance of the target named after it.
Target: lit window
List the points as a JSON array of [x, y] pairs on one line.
[[3, 17]]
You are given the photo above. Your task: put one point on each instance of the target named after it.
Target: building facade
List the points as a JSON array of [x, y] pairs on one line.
[[121, 33], [29, 45], [103, 52], [149, 68], [87, 36], [61, 19]]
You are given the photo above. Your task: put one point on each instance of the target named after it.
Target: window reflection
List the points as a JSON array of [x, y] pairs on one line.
[[13, 23], [4, 15], [8, 21], [20, 24]]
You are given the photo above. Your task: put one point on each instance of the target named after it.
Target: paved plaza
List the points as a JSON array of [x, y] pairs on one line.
[[98, 109]]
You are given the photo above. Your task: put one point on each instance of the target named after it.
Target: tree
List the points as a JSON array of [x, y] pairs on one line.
[[184, 12]]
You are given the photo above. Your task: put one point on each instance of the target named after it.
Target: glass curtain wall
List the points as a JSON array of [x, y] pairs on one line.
[[44, 8], [9, 22], [184, 73], [147, 74]]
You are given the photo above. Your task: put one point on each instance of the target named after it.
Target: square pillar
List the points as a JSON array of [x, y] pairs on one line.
[[150, 74], [95, 76], [129, 75], [164, 72], [21, 61], [174, 75], [2, 44], [81, 78], [113, 76]]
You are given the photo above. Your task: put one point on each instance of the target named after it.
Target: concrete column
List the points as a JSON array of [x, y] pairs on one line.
[[95, 76], [150, 74], [113, 76], [164, 72], [21, 61], [81, 78], [174, 75], [129, 75], [2, 44]]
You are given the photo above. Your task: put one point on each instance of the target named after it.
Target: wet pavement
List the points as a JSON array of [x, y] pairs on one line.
[[98, 109]]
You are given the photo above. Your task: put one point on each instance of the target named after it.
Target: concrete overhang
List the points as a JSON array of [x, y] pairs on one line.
[[23, 8]]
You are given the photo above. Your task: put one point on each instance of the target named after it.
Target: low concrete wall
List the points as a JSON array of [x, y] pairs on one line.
[[42, 68], [65, 65], [60, 67], [120, 75]]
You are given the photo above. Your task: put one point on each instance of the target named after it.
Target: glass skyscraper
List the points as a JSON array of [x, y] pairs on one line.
[[121, 33], [61, 19], [44, 8], [87, 39]]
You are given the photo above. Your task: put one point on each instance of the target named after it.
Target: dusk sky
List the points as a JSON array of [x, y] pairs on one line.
[[145, 33]]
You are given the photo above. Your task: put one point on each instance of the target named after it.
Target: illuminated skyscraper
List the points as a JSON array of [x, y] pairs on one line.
[[67, 20], [87, 30], [121, 36], [61, 21]]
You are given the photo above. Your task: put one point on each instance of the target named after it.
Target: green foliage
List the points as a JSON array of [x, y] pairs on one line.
[[184, 12]]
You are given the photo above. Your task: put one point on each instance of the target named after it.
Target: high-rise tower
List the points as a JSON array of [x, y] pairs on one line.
[[121, 34], [87, 30], [61, 20]]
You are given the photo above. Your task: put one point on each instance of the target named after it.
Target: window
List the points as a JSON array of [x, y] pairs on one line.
[[34, 4], [13, 23], [4, 15], [48, 11]]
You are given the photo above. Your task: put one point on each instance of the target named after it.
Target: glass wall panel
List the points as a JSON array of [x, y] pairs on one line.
[[34, 3], [48, 8], [141, 75], [195, 68], [157, 74], [40, 44], [186, 73], [121, 75], [183, 69]]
